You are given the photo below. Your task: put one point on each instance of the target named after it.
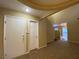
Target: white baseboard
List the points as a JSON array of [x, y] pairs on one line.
[[43, 46], [27, 52], [50, 41]]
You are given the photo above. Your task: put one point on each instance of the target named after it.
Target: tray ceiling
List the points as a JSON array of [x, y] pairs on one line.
[[49, 4]]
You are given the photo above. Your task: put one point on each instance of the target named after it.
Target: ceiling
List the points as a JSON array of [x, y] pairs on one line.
[[49, 4], [40, 8]]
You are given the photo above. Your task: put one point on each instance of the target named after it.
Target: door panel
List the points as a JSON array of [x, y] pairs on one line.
[[15, 32], [33, 36]]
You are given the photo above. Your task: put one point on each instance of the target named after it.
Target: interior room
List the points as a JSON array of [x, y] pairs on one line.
[[39, 29]]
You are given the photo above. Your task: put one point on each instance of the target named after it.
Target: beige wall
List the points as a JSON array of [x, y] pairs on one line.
[[46, 32], [70, 16], [50, 32], [1, 37], [43, 33]]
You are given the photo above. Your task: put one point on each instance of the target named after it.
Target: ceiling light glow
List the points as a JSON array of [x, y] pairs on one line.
[[27, 10]]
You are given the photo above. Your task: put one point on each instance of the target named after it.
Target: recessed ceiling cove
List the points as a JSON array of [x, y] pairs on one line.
[[49, 4]]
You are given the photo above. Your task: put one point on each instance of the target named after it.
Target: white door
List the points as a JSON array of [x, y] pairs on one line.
[[14, 31], [33, 35]]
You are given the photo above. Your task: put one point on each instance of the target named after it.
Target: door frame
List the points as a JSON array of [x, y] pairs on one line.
[[62, 29], [4, 36]]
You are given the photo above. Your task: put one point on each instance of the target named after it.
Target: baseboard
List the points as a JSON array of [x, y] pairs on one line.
[[27, 52], [43, 46], [21, 55], [50, 42], [76, 42]]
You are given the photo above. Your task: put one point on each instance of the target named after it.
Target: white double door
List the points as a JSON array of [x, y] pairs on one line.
[[14, 32], [15, 36]]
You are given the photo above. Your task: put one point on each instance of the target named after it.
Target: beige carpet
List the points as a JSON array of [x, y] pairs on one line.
[[55, 50]]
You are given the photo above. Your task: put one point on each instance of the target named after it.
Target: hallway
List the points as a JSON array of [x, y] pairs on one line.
[[55, 50]]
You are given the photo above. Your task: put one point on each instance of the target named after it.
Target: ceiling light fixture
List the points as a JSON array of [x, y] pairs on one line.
[[27, 10]]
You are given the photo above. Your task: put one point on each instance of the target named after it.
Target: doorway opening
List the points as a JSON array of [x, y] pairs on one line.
[[64, 32], [55, 27], [61, 31], [56, 31]]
